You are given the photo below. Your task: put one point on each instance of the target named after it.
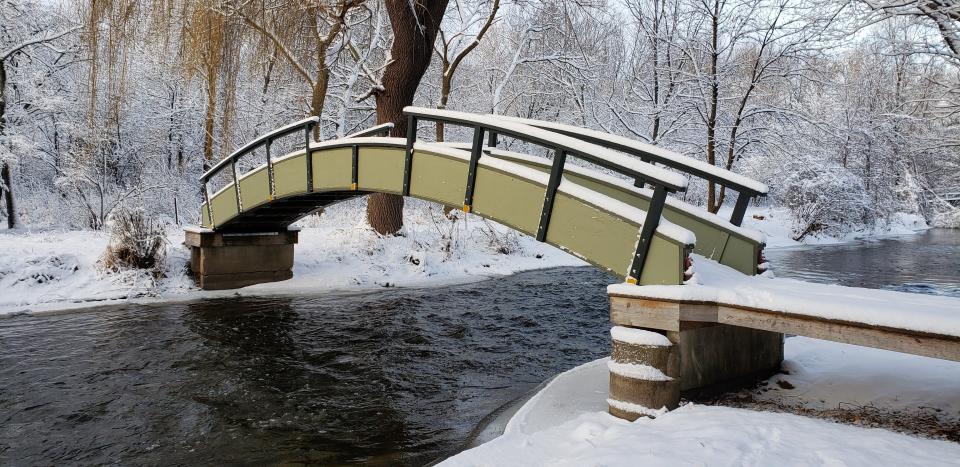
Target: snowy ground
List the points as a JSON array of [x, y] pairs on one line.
[[44, 270], [567, 424], [54, 269], [777, 224]]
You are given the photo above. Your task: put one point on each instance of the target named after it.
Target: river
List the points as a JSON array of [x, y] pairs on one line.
[[398, 376]]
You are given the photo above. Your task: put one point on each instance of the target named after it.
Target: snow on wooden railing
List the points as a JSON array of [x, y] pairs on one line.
[[306, 125], [746, 188], [663, 181]]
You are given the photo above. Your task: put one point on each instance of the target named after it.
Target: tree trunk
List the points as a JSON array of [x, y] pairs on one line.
[[415, 26], [6, 185], [208, 121], [714, 103]]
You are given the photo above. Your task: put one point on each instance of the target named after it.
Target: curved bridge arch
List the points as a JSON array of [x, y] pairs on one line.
[[587, 213]]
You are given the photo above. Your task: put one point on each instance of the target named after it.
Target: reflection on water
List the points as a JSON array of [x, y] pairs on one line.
[[928, 262]]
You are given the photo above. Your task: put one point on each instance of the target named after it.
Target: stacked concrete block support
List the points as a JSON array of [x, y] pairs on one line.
[[228, 261]]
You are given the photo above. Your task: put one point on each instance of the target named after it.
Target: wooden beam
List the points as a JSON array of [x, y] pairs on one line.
[[898, 340], [677, 315]]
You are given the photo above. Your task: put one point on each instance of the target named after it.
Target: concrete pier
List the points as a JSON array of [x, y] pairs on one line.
[[701, 354], [232, 260], [644, 373]]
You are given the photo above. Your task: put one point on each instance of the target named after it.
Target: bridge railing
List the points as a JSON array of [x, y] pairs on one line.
[[663, 181], [745, 187], [306, 126]]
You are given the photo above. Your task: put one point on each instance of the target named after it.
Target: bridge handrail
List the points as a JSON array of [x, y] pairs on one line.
[[307, 125], [745, 187], [663, 181], [379, 130], [587, 151]]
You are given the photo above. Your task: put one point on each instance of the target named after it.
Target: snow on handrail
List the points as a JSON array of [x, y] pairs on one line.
[[279, 132], [596, 154], [382, 129], [660, 155]]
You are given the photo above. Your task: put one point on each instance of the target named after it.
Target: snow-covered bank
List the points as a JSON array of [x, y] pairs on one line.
[[567, 423], [779, 226], [43, 270]]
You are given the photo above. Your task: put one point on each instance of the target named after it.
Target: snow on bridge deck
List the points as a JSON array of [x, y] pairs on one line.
[[906, 322]]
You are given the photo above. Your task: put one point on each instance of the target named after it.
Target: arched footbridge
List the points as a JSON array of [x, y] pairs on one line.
[[614, 211], [618, 209]]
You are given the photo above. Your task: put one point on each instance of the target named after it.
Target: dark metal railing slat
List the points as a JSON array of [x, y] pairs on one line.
[[271, 188], [354, 166], [308, 156], [649, 227], [236, 185], [556, 176], [740, 209], [476, 149], [408, 155]]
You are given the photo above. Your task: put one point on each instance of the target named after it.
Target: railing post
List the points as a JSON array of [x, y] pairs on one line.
[[475, 150], [740, 209], [236, 185], [408, 155], [646, 233], [206, 198], [308, 156], [556, 176], [354, 166], [271, 188], [639, 182], [492, 139]]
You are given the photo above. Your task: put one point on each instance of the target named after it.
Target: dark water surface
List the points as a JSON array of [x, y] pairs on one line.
[[928, 262], [393, 377], [399, 376]]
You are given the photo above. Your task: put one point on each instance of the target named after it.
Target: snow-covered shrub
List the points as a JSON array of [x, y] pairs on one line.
[[505, 243], [947, 218], [824, 200], [136, 242]]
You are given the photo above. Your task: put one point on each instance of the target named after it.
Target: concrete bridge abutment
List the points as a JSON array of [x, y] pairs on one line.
[[659, 354], [232, 260]]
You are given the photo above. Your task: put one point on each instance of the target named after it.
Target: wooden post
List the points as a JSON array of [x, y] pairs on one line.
[[644, 373]]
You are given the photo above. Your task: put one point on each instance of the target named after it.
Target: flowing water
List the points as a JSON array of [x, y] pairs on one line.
[[928, 262], [399, 376]]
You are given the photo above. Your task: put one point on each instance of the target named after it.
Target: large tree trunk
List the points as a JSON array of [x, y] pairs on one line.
[[415, 26], [6, 185]]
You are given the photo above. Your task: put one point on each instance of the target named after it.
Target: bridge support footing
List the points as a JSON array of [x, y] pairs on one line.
[[228, 261], [659, 354]]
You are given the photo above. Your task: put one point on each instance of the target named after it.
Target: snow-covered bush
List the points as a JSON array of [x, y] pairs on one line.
[[824, 200], [504, 242], [136, 242], [948, 218]]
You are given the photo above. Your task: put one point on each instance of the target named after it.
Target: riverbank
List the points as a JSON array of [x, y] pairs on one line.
[[43, 270], [566, 423]]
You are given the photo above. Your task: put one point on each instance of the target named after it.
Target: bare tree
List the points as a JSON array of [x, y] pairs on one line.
[[20, 31], [455, 46]]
